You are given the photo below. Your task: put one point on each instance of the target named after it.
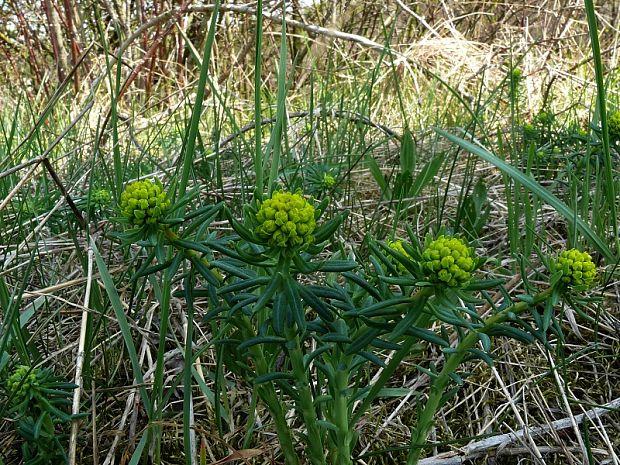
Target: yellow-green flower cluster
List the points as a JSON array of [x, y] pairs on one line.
[[22, 381], [144, 202], [286, 221], [577, 268], [398, 246], [448, 260], [613, 123], [544, 118], [529, 131], [100, 198], [328, 181]]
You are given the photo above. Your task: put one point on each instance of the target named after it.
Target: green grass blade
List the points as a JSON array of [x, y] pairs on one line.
[[123, 324], [542, 193], [258, 132], [610, 189], [275, 141], [190, 142], [137, 454], [187, 372]]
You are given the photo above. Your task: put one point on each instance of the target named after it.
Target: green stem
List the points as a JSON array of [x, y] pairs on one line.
[[440, 383], [344, 435], [269, 396], [422, 321], [305, 400], [158, 378]]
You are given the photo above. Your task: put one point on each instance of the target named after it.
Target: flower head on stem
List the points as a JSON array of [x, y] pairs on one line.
[[448, 260], [286, 221], [578, 269], [144, 202]]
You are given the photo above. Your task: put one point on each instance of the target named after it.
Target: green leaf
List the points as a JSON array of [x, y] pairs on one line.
[[456, 378], [244, 284], [482, 355], [428, 336], [569, 215], [386, 307], [407, 152], [315, 303], [426, 175], [372, 358], [327, 425], [204, 271], [308, 358], [231, 268], [483, 284], [431, 374], [327, 229], [362, 340], [119, 312], [296, 309], [243, 232], [261, 340], [335, 337], [279, 315], [485, 340], [373, 166], [137, 453], [382, 344], [511, 332], [361, 282], [337, 266], [448, 395], [277, 375]]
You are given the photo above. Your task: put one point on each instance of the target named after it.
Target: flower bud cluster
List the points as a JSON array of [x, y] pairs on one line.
[[100, 198], [328, 181], [144, 202], [613, 124], [398, 246], [286, 221], [22, 381], [577, 268], [448, 260]]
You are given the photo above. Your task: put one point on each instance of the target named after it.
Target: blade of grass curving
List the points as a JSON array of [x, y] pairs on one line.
[[535, 188], [190, 142], [610, 189], [123, 324]]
